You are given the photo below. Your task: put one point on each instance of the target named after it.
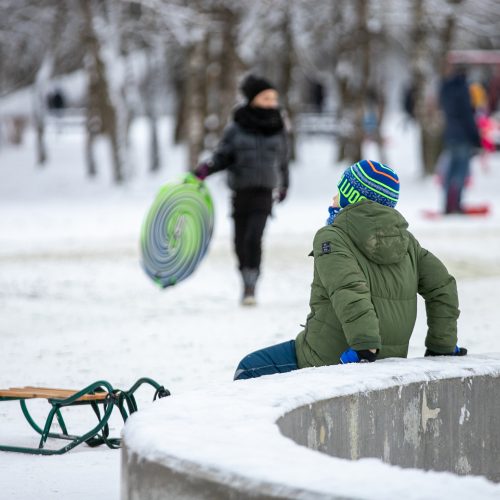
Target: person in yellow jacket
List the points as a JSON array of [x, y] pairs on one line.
[[478, 97]]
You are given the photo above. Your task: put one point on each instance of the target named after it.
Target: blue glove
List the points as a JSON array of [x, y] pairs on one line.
[[458, 351], [349, 356], [352, 356]]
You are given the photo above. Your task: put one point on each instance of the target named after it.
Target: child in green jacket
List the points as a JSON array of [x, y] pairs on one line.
[[368, 270]]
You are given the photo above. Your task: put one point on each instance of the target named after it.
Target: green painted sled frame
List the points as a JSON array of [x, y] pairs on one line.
[[99, 396]]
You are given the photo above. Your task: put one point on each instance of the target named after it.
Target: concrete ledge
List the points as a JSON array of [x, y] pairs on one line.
[[229, 441], [445, 425]]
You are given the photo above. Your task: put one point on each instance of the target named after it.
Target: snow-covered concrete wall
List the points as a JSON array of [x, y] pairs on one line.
[[230, 441], [445, 425]]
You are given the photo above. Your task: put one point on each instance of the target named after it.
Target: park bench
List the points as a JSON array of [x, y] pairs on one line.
[[99, 396]]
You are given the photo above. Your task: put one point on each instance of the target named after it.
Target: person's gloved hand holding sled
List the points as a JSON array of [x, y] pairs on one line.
[[202, 170], [281, 194]]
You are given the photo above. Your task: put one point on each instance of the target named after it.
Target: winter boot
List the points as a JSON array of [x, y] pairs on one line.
[[453, 201], [250, 277]]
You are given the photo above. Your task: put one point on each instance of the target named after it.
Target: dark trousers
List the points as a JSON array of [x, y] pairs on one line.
[[248, 232], [251, 208], [458, 170], [280, 358]]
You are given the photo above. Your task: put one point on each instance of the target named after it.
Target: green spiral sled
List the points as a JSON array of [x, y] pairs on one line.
[[176, 231]]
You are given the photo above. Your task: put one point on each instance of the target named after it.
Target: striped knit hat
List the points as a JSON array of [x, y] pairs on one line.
[[370, 180]]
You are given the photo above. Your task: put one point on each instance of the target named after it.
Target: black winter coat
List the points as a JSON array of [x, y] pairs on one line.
[[460, 126], [253, 159]]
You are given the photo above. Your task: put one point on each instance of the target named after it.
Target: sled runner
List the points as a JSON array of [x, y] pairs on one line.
[[468, 211], [177, 231], [99, 396]]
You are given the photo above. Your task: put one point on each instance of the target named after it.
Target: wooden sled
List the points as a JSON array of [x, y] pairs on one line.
[[99, 396]]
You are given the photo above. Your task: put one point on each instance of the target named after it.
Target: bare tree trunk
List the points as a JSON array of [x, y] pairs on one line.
[[353, 88], [343, 137], [423, 64], [447, 36], [102, 112], [379, 138], [379, 80], [154, 147], [228, 63], [95, 91], [206, 86], [90, 160], [213, 100], [419, 62], [40, 109], [337, 13], [150, 95], [118, 114], [41, 85], [196, 93], [287, 67], [180, 86], [116, 153], [365, 67], [221, 61]]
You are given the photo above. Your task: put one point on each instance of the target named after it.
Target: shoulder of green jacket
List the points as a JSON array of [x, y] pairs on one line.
[[326, 240]]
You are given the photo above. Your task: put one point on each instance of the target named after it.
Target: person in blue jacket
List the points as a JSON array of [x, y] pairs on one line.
[[461, 136]]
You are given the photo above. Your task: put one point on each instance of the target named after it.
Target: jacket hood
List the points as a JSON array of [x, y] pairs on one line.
[[379, 232]]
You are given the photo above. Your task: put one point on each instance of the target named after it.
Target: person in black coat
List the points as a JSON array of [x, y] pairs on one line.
[[461, 135], [253, 151]]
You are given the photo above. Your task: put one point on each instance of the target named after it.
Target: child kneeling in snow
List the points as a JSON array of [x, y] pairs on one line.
[[368, 270]]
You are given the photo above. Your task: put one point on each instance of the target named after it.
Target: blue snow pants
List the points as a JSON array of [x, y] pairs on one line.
[[278, 358], [458, 171]]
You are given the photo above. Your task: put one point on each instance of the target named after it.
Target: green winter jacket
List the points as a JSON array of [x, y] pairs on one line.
[[368, 270]]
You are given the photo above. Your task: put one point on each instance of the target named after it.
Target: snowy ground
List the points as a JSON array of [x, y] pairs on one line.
[[76, 307]]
